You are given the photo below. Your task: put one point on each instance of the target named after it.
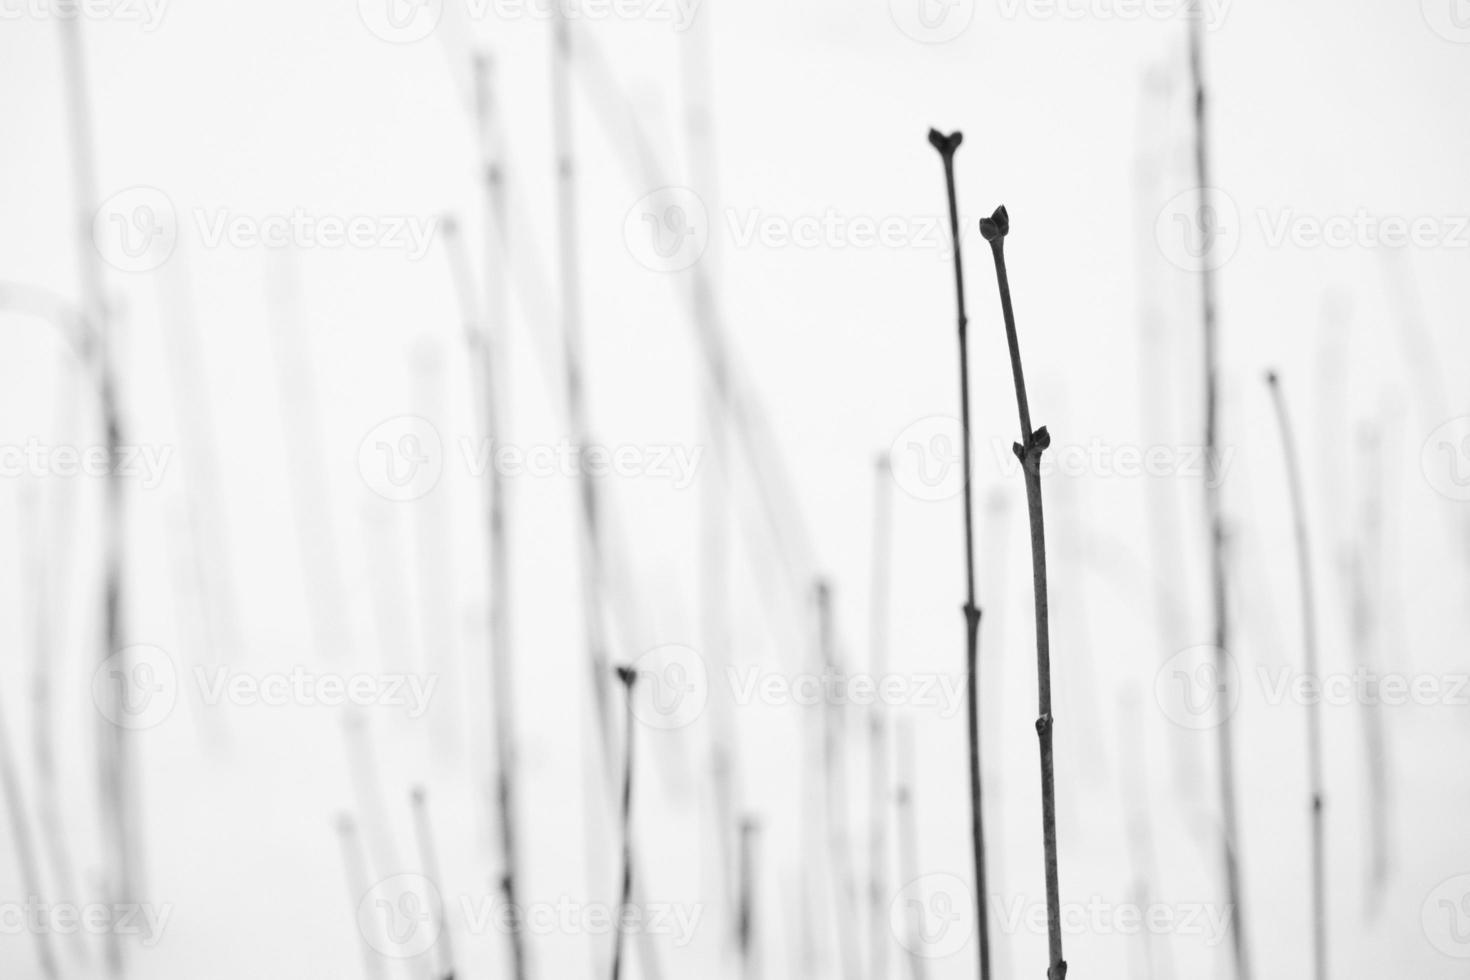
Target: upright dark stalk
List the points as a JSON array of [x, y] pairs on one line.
[[1029, 451], [878, 778], [946, 145], [25, 842], [120, 844], [1225, 744], [834, 765], [1367, 563], [629, 677], [908, 838], [1314, 709], [355, 863], [572, 362], [489, 344], [429, 861], [749, 834]]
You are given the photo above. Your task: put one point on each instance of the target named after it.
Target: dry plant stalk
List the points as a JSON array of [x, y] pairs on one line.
[[489, 344], [629, 677], [1314, 708], [946, 145], [1225, 745], [995, 228]]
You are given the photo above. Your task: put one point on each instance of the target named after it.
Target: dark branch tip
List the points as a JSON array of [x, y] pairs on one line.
[[998, 225], [627, 675], [946, 145], [1271, 378]]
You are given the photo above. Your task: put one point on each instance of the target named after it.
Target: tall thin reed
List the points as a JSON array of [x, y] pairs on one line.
[[116, 772], [25, 842], [629, 677], [749, 834], [1367, 564], [1225, 745], [355, 864], [1028, 451], [490, 345], [429, 861], [908, 837], [946, 145], [834, 766], [878, 777], [1309, 648]]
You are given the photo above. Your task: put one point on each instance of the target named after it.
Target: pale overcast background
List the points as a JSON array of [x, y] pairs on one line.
[[305, 495]]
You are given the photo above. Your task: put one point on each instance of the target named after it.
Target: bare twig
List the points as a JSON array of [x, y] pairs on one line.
[[1029, 450], [629, 677], [1225, 745], [354, 862], [120, 843], [834, 765], [429, 860], [908, 836], [946, 145], [878, 777], [1314, 708], [25, 843], [489, 342], [749, 838]]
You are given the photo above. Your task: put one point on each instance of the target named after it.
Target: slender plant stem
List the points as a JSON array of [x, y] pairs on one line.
[[25, 842], [629, 677], [878, 776], [120, 843], [1029, 451], [908, 838], [1367, 563], [490, 345], [429, 860], [354, 862], [749, 836], [834, 765], [946, 145], [1225, 743], [1309, 646]]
